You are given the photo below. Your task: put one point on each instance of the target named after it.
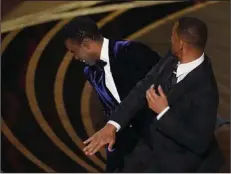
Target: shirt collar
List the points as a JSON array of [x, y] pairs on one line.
[[188, 67], [104, 51]]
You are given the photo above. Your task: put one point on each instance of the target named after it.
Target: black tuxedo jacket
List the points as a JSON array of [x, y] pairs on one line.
[[183, 139], [129, 62]]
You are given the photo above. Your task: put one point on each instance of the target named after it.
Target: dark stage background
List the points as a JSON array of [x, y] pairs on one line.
[[48, 108]]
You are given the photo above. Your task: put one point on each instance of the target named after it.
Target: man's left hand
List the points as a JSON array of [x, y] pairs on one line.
[[104, 136], [156, 102]]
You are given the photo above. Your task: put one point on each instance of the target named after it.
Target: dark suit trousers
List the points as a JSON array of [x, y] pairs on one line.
[[133, 156]]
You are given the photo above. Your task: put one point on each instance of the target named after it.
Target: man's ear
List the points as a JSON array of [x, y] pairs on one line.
[[86, 42], [181, 44]]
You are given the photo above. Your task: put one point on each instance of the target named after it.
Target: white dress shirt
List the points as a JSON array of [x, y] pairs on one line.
[[109, 81], [107, 69], [181, 72]]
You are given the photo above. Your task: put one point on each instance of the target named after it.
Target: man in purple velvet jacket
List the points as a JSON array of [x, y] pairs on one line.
[[113, 68]]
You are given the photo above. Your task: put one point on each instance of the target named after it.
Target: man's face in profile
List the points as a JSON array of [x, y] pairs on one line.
[[81, 51], [175, 41]]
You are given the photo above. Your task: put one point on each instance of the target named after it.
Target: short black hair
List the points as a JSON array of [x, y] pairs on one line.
[[193, 31], [80, 28]]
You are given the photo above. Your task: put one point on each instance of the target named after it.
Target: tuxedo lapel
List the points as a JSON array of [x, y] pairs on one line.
[[118, 68], [164, 72], [114, 65], [111, 54], [114, 49], [187, 84]]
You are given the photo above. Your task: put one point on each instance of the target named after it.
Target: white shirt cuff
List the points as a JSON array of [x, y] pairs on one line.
[[115, 124], [162, 113]]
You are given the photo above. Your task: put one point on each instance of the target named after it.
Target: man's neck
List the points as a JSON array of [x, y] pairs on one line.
[[98, 49], [189, 57]]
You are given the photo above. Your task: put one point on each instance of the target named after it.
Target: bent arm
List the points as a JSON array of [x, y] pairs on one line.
[[135, 100], [195, 129]]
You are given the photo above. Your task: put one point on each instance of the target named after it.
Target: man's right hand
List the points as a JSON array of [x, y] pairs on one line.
[[104, 136]]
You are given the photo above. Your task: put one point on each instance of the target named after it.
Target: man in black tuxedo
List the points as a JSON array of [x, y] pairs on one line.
[[182, 97], [113, 68]]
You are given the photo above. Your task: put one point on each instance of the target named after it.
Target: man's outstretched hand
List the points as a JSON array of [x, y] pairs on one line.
[[104, 136]]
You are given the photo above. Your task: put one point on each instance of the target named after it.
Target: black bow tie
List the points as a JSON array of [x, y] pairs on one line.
[[100, 63]]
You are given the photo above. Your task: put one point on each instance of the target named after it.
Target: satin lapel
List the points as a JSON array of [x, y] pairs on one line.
[[111, 53], [114, 64], [165, 71]]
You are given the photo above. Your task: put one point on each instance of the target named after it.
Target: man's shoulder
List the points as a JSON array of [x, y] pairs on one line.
[[207, 67], [133, 50], [122, 47], [205, 77], [126, 44]]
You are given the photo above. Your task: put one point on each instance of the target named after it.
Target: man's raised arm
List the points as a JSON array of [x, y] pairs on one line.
[[136, 98]]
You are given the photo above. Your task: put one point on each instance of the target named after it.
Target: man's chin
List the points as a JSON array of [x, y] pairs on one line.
[[90, 63], [174, 54]]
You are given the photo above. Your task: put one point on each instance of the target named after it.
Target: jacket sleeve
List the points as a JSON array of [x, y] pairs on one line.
[[195, 129], [135, 100]]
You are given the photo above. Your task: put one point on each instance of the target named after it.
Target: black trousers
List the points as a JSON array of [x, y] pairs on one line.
[[136, 161]]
